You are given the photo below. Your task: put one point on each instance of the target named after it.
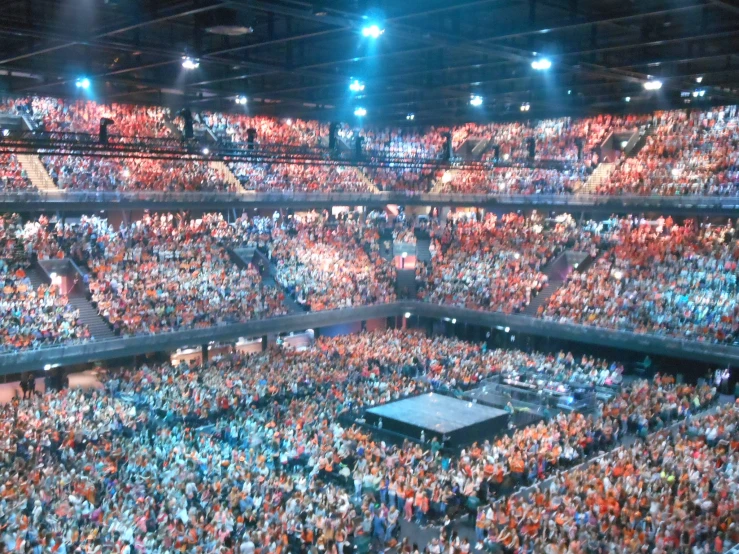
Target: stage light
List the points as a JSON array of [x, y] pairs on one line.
[[507, 329], [541, 65], [653, 85], [699, 80], [240, 100], [47, 367], [372, 31], [569, 92], [454, 321], [206, 151], [360, 112], [525, 107], [407, 315], [699, 93], [83, 83], [189, 63], [627, 99], [356, 86], [476, 100], [6, 132], [410, 117]]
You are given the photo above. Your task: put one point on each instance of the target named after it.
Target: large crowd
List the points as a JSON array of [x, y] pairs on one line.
[[658, 277], [687, 153], [511, 180], [284, 466], [31, 317], [495, 264], [12, 175], [331, 265], [166, 272], [305, 177]]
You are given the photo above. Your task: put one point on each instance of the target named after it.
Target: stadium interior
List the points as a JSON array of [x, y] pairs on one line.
[[361, 276]]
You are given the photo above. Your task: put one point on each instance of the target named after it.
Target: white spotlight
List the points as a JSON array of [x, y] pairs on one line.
[[206, 151], [360, 112], [83, 83], [240, 100], [525, 107], [653, 85], [6, 132], [410, 116], [476, 100], [699, 93], [699, 80], [627, 99], [189, 63], [356, 86], [541, 65], [372, 31], [407, 315], [454, 321]]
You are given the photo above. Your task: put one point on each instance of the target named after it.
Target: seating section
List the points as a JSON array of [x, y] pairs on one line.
[[403, 179], [687, 153], [269, 131], [78, 173], [511, 180], [13, 177], [495, 264], [165, 273], [31, 315], [658, 278], [328, 266], [299, 177], [396, 143]]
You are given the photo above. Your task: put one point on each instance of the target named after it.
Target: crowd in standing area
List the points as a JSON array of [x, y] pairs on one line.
[[282, 469], [658, 277]]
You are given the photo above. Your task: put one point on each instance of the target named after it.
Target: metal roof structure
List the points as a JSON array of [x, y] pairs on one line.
[[298, 58]]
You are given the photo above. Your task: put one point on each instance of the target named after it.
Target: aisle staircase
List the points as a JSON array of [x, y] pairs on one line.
[[556, 271], [405, 284], [228, 175], [37, 173], [598, 177], [371, 186], [423, 253], [99, 328]]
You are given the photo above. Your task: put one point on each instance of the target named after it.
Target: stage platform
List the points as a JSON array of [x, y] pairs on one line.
[[440, 416]]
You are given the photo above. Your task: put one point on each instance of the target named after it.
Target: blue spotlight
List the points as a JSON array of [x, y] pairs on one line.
[[356, 86], [372, 31], [360, 112], [476, 100], [83, 83], [541, 65]]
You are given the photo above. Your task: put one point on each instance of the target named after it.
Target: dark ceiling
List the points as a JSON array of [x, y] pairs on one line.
[[300, 56]]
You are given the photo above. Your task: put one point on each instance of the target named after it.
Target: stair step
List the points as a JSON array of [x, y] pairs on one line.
[[99, 328]]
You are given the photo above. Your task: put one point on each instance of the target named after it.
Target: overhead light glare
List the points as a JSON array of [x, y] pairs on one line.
[[356, 86], [653, 85], [83, 83], [241, 100], [410, 116], [189, 63], [627, 99], [525, 107], [372, 31], [699, 80], [360, 112], [541, 65], [476, 100], [699, 93], [206, 151]]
